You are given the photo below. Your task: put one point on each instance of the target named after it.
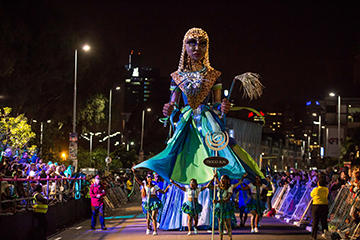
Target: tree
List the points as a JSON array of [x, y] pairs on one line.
[[123, 158], [15, 132], [93, 112], [98, 158]]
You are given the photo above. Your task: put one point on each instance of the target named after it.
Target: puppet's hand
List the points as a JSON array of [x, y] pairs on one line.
[[168, 108], [225, 106]]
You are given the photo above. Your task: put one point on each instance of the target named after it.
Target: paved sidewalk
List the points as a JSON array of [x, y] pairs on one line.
[[128, 222]]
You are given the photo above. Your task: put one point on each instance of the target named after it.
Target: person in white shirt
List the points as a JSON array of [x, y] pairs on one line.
[[255, 205], [192, 207], [153, 203], [224, 209]]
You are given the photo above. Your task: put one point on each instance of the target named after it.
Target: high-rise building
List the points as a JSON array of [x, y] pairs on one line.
[[138, 86]]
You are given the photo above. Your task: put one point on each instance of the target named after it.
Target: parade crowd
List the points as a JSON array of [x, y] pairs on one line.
[[243, 194], [57, 189]]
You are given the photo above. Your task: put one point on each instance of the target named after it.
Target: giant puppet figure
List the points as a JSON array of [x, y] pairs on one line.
[[195, 81]]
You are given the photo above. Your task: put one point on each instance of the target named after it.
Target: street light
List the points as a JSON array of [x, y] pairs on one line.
[[338, 141], [64, 156], [91, 141], [74, 157], [142, 129], [86, 48], [109, 127]]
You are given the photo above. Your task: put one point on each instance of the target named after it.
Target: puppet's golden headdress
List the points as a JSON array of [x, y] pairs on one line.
[[185, 59]]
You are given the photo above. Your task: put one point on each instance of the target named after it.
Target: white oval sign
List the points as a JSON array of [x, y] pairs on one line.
[[108, 160]]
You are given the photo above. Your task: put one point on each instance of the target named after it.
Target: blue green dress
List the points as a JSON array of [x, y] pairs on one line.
[[182, 159]]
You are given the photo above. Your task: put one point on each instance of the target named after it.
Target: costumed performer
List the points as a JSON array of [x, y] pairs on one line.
[[153, 203], [255, 206], [194, 81], [224, 209], [192, 207]]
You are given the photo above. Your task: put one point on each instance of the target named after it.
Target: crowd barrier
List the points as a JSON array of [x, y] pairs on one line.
[[55, 189], [294, 206], [68, 204], [116, 197]]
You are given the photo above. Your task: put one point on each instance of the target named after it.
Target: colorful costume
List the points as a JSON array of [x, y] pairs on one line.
[[226, 209], [255, 203], [152, 203], [192, 208], [183, 157]]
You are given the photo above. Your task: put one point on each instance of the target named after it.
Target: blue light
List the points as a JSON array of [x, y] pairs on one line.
[[308, 103], [231, 133], [322, 152], [317, 103], [127, 216]]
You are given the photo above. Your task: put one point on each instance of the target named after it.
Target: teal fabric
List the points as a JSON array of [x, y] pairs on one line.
[[183, 157]]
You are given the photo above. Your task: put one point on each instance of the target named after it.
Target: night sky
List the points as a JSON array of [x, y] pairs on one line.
[[302, 50]]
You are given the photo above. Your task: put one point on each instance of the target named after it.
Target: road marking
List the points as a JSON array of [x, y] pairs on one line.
[[79, 227], [58, 238]]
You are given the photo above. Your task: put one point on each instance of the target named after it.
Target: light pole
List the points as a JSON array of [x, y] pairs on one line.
[[319, 134], [90, 139], [142, 129], [41, 134], [338, 105], [74, 150], [109, 126]]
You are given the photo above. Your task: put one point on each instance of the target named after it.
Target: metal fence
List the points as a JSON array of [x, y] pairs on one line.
[[344, 210], [18, 192], [116, 197]]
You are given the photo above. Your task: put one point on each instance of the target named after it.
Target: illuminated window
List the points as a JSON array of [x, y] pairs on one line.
[[128, 80], [273, 129], [273, 114], [279, 122], [279, 113], [135, 72], [274, 123]]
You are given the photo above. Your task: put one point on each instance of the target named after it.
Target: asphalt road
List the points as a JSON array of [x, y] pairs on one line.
[[128, 222]]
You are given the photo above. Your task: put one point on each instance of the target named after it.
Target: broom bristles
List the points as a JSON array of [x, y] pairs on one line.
[[251, 84]]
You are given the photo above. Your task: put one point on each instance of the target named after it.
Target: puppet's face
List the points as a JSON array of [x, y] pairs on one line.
[[196, 48]]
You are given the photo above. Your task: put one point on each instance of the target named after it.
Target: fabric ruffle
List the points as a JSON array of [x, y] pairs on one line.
[[188, 208], [257, 206], [154, 204], [225, 209]]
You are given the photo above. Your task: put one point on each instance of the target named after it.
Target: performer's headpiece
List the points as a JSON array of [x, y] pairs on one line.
[[194, 33]]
